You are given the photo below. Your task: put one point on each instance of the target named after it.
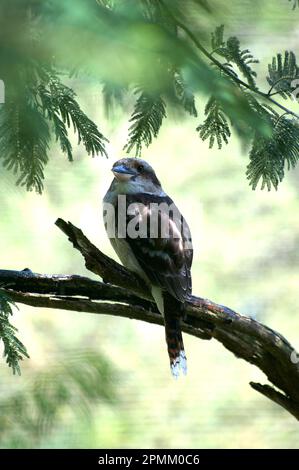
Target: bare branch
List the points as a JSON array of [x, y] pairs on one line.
[[100, 264], [128, 297], [277, 397]]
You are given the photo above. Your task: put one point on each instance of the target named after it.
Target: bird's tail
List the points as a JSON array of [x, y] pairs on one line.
[[175, 345]]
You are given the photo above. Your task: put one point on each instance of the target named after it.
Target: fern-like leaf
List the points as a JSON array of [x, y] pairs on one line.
[[217, 39], [59, 104], [269, 156], [52, 113], [146, 120], [282, 72], [215, 126], [24, 140], [112, 94], [233, 53], [242, 59], [184, 94], [155, 12], [25, 132], [14, 349]]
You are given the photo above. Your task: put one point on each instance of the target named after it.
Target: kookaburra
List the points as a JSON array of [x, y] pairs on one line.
[[152, 239]]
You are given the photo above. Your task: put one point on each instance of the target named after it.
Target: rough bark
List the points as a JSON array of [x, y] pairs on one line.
[[122, 293]]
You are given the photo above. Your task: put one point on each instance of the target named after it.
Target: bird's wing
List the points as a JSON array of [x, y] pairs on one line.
[[164, 248]]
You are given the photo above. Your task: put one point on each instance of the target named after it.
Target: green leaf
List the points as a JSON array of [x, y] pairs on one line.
[[25, 120], [60, 106], [233, 53], [282, 72], [14, 349], [146, 120], [242, 58], [24, 140], [215, 126], [112, 94], [52, 114], [269, 156], [184, 94], [217, 39]]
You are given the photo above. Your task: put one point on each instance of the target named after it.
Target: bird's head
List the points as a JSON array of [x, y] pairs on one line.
[[135, 175]]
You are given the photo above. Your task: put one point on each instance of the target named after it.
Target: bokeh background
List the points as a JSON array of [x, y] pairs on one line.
[[99, 381]]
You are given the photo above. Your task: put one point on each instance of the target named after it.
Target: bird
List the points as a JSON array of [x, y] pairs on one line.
[[153, 240]]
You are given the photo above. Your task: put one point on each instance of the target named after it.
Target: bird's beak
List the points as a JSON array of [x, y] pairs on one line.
[[123, 173]]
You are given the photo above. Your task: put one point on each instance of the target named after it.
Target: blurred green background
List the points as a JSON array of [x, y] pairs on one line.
[[98, 381]]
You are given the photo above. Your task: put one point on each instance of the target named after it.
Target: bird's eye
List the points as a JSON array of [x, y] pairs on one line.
[[140, 168]]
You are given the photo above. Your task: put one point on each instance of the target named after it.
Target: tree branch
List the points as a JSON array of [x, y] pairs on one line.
[[127, 296], [225, 70]]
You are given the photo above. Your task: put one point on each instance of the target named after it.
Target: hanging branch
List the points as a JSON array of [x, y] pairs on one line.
[[124, 294]]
